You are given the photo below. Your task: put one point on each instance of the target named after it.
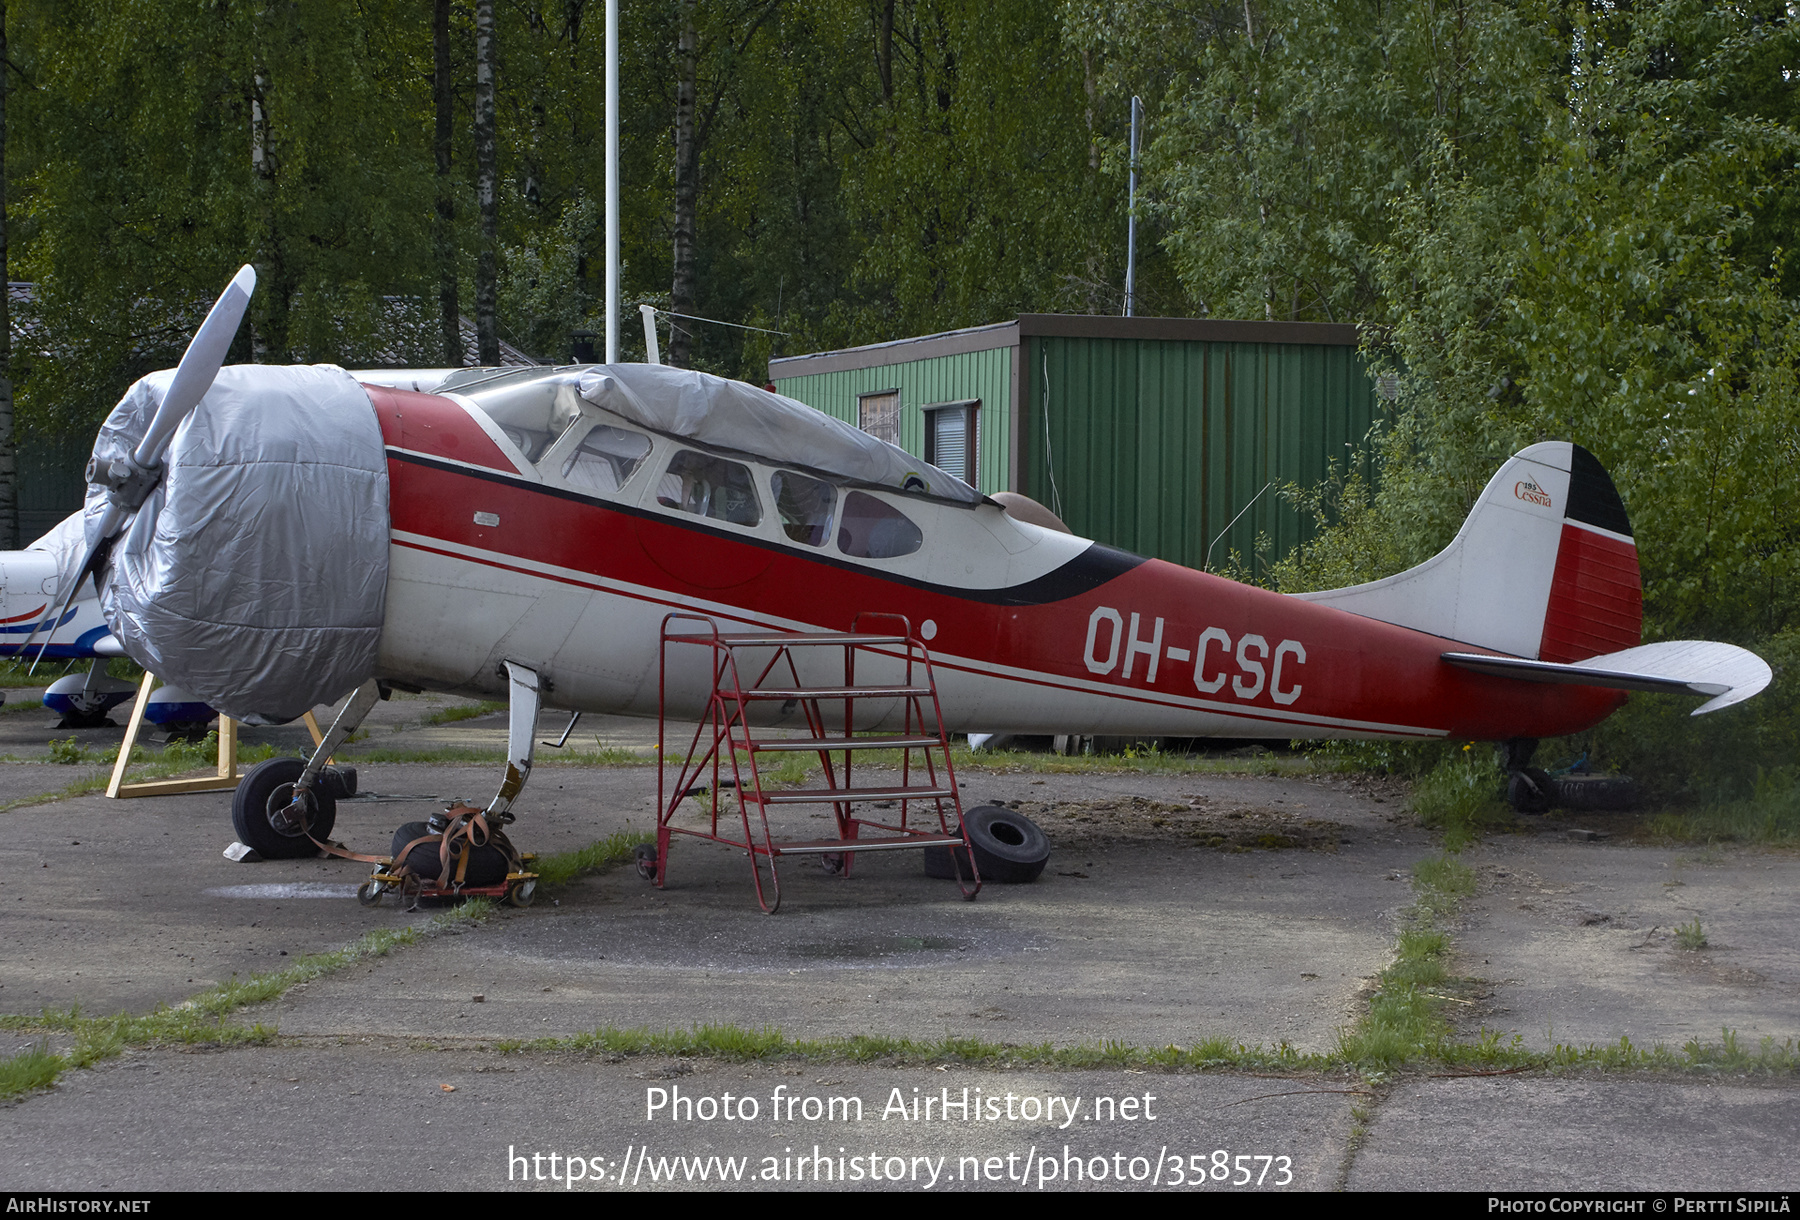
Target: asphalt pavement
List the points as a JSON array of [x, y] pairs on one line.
[[1177, 908]]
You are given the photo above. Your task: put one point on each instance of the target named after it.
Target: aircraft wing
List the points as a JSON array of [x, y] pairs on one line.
[[1724, 672]]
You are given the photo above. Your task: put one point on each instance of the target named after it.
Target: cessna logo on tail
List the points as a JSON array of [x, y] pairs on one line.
[[1525, 489], [1251, 652]]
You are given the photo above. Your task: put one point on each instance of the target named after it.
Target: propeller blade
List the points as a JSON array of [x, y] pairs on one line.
[[199, 365], [194, 376], [55, 618]]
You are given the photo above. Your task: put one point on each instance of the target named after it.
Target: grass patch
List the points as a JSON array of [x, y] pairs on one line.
[[468, 711], [736, 1044], [176, 758], [18, 673], [1462, 794], [565, 866], [1140, 760], [204, 1018], [1405, 1020], [33, 1068], [1770, 814], [1691, 935], [791, 771], [171, 759], [611, 756]]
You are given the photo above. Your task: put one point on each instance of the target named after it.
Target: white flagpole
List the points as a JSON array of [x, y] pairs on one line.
[[612, 181]]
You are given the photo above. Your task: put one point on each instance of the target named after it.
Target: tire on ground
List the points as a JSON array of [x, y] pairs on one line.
[[269, 787], [1009, 847]]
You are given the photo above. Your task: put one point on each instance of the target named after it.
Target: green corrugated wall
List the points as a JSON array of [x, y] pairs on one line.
[[1156, 445], [983, 375]]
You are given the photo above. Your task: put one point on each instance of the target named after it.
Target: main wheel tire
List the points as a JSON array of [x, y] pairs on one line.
[[1009, 847], [1530, 791], [267, 790]]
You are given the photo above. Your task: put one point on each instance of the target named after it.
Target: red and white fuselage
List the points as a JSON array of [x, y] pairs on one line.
[[497, 559]]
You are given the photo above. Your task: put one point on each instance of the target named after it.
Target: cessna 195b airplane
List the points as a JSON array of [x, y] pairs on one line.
[[269, 538]]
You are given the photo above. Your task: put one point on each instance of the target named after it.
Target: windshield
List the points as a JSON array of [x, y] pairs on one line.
[[532, 406]]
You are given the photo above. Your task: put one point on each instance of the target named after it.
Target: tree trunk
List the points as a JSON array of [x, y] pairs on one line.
[[687, 188], [487, 264], [269, 316], [9, 481], [884, 52], [444, 229]]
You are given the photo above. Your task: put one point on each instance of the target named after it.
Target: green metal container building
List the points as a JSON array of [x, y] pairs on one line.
[[1151, 434]]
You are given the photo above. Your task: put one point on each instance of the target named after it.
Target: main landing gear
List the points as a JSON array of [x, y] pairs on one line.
[[286, 807]]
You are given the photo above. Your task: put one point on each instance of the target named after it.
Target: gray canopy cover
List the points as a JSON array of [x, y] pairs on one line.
[[733, 415], [255, 575]]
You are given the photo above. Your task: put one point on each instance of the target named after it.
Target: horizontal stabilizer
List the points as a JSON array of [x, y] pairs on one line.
[[1725, 672]]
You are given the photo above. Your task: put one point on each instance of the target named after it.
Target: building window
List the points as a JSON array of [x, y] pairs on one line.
[[950, 434], [879, 415]]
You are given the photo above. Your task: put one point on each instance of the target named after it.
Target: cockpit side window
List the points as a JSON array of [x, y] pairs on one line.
[[805, 506], [709, 486], [606, 458], [874, 529]]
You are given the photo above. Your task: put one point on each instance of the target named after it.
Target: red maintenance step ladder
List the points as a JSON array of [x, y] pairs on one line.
[[726, 743]]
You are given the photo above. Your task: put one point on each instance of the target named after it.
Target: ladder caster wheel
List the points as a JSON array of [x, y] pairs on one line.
[[522, 893], [645, 856], [369, 893], [833, 863]]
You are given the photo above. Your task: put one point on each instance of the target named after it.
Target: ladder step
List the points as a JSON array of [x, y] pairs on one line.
[[751, 639], [816, 847], [821, 796], [836, 692], [846, 743]]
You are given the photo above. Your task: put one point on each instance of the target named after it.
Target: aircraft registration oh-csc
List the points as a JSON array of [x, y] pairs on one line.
[[1255, 668], [527, 533]]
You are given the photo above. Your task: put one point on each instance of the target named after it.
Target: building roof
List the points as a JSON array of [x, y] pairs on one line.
[[1076, 326]]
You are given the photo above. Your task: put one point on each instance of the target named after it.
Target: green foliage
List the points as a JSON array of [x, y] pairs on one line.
[[466, 711], [564, 867], [1770, 814], [1691, 935], [1461, 793], [28, 1070], [69, 752]]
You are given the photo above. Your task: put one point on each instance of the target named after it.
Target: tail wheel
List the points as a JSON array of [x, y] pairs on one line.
[[1529, 790]]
